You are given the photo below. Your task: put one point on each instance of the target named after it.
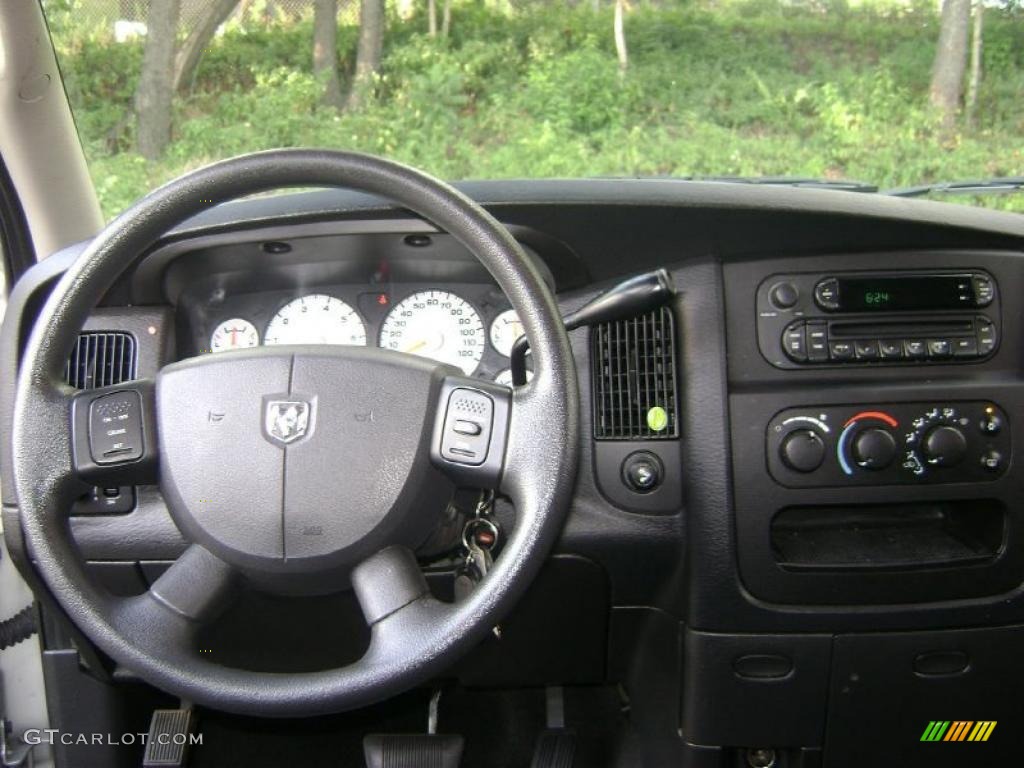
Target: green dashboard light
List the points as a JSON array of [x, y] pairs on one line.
[[657, 418]]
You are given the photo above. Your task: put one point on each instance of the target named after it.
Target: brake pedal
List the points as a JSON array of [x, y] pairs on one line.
[[412, 750], [170, 732]]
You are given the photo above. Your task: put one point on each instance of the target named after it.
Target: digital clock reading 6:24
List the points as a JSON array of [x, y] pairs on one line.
[[877, 298]]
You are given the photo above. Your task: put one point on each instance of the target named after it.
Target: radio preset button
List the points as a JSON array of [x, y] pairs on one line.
[[939, 348], [890, 349], [841, 350], [915, 349], [866, 350], [965, 347]]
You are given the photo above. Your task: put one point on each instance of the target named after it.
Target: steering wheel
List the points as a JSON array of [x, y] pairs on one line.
[[341, 459]]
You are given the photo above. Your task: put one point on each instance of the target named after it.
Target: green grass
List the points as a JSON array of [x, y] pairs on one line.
[[747, 88]]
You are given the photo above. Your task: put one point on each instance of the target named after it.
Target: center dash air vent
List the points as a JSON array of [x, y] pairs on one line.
[[101, 359], [633, 367]]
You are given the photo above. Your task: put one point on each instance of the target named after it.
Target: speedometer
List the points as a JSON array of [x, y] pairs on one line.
[[316, 319], [438, 325]]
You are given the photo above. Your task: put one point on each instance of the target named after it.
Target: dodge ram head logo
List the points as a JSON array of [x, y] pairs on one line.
[[286, 421]]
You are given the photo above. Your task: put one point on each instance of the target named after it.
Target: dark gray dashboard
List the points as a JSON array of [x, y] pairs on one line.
[[741, 562]]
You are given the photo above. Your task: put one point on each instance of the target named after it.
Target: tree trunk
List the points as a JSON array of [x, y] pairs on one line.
[[950, 63], [432, 17], [620, 36], [187, 59], [325, 51], [446, 19], [975, 80], [371, 43], [154, 93]]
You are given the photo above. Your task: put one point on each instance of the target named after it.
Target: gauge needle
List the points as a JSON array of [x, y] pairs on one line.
[[416, 347]]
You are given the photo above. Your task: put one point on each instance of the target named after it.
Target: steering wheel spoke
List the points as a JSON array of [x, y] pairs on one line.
[[193, 591], [387, 582], [113, 434]]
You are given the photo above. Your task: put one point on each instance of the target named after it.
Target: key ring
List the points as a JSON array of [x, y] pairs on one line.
[[471, 528]]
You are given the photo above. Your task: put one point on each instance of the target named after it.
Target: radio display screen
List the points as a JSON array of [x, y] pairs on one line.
[[908, 293]]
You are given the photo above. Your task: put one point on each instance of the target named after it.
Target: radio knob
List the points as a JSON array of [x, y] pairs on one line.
[[784, 295], [874, 448], [802, 450], [944, 446]]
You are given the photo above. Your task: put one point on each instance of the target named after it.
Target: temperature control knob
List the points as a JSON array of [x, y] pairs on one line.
[[874, 448], [802, 450], [944, 446]]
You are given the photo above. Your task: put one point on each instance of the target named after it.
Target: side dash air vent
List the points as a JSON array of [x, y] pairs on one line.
[[633, 368], [101, 359]]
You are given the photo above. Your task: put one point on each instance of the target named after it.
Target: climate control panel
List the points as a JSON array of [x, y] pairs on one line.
[[888, 444]]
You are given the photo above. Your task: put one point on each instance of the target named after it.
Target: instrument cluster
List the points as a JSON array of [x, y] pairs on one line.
[[468, 326]]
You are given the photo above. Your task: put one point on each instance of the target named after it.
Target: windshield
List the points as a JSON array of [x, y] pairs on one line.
[[887, 92]]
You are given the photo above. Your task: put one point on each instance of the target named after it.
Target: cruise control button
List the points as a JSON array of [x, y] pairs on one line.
[[464, 427], [841, 350], [866, 350], [890, 349], [915, 349], [115, 428], [939, 348], [966, 347], [794, 342]]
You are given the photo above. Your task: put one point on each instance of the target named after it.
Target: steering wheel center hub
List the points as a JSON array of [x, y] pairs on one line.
[[292, 463]]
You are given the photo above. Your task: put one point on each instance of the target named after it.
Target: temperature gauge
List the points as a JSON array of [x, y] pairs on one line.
[[234, 334]]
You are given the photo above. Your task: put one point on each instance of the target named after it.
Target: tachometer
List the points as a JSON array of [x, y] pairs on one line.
[[438, 325], [236, 333], [316, 319]]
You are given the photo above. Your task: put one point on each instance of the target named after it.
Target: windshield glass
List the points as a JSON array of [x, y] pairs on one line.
[[893, 93]]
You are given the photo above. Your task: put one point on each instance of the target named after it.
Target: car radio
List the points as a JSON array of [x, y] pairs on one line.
[[879, 318]]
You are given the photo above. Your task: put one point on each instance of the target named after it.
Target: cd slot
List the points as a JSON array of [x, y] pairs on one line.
[[901, 328]]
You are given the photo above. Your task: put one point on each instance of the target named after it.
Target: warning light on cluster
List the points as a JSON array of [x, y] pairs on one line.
[[382, 299]]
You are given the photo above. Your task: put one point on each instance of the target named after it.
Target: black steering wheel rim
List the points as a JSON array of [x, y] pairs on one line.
[[408, 645]]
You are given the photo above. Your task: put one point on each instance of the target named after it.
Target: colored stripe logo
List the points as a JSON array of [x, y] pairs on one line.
[[958, 730]]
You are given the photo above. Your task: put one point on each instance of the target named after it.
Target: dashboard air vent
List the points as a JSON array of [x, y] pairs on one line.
[[101, 359], [633, 367]]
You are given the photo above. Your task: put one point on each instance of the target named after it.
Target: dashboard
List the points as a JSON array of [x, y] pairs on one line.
[[837, 499], [469, 326]]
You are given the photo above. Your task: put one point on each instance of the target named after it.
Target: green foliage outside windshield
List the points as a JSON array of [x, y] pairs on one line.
[[534, 90]]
